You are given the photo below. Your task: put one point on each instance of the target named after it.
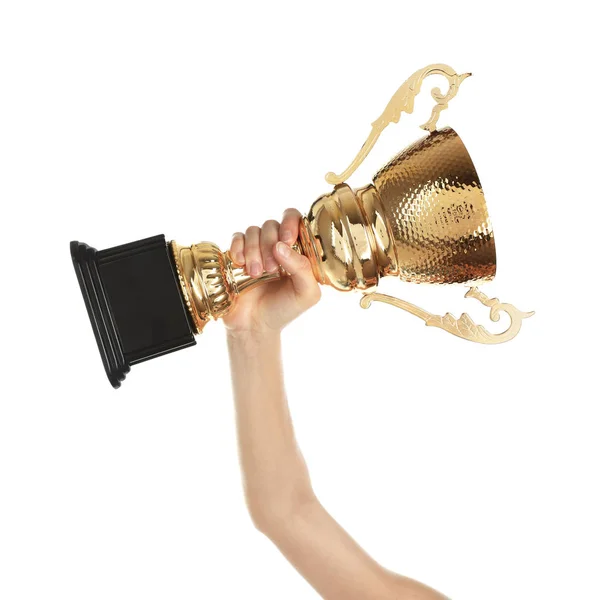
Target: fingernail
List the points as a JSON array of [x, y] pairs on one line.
[[255, 269], [286, 236], [283, 249], [240, 258], [270, 265]]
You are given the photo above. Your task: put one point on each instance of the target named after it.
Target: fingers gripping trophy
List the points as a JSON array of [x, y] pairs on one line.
[[423, 219], [271, 307]]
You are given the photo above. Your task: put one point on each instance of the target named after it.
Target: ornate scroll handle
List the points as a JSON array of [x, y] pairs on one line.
[[403, 101], [464, 327]]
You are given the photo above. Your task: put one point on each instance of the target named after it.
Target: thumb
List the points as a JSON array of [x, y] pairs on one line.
[[298, 266]]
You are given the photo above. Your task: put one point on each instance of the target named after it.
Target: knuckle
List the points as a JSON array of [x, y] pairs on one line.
[[291, 212], [270, 223], [252, 235]]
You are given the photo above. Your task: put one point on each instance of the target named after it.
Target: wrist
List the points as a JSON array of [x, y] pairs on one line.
[[258, 337]]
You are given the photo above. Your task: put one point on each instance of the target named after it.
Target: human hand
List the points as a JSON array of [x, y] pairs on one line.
[[271, 306]]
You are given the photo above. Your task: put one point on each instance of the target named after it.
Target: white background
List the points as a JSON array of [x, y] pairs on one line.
[[465, 466]]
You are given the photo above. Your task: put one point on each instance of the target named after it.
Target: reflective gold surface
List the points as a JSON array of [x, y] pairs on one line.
[[423, 219], [207, 288], [437, 213], [344, 241]]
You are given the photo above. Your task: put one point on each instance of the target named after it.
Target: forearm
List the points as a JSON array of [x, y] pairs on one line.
[[277, 486], [275, 476], [278, 489]]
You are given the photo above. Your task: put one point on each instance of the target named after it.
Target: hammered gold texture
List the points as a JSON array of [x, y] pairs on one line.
[[436, 209]]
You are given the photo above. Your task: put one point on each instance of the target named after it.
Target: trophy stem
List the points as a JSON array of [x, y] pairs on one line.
[[245, 282], [211, 283]]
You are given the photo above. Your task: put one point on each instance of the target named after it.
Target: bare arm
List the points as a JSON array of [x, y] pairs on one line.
[[276, 481]]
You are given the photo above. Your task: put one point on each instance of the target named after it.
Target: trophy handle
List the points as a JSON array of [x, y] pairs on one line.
[[464, 327], [403, 101]]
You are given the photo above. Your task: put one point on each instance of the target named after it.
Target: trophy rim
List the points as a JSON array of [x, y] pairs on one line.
[[480, 184]]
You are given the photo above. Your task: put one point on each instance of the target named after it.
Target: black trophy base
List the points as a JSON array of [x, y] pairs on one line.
[[133, 301]]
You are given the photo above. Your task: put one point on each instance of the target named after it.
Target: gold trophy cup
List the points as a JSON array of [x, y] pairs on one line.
[[422, 219]]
